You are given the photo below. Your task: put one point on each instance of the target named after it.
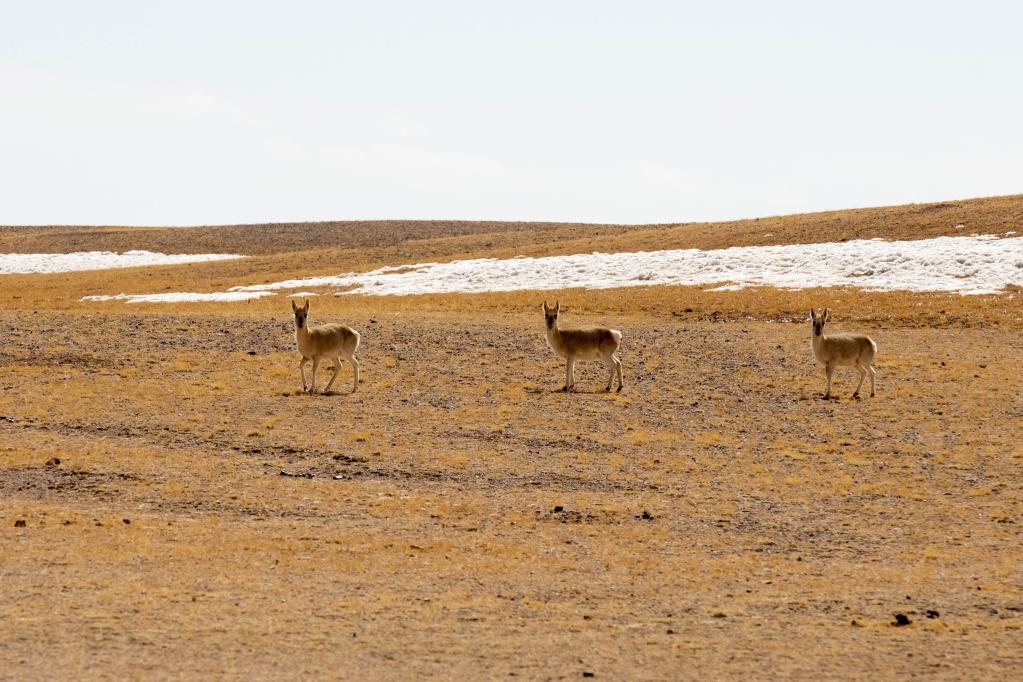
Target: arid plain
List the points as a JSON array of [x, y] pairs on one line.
[[459, 518]]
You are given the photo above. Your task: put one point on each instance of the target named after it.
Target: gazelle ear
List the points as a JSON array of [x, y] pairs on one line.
[[545, 307], [557, 306], [827, 314], [813, 315], [306, 306], [294, 307]]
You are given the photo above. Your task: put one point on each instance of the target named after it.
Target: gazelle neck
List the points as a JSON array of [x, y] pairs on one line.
[[818, 342]]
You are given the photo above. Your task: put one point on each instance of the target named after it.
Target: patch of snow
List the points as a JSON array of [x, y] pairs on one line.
[[26, 263], [182, 297], [968, 265], [301, 294]]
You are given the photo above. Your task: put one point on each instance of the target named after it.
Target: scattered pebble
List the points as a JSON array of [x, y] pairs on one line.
[[53, 461], [20, 523], [901, 619], [931, 613], [558, 509]]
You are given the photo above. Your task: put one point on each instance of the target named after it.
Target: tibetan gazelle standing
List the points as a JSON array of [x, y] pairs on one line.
[[324, 342], [833, 350], [590, 343]]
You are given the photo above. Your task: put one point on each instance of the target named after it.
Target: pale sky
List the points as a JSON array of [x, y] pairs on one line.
[[185, 113]]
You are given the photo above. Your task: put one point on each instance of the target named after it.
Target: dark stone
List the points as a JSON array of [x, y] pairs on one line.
[[53, 461], [20, 523], [558, 509], [902, 619], [931, 613], [587, 673], [126, 521], [252, 352]]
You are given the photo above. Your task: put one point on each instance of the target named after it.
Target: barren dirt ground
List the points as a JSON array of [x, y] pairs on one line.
[[457, 517]]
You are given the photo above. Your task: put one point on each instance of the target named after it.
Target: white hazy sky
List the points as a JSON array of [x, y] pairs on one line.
[[156, 113]]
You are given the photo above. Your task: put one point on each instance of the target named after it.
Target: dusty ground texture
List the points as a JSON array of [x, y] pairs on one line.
[[457, 517]]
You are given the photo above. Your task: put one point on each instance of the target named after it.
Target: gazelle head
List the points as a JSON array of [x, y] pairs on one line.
[[819, 320], [300, 314], [550, 314]]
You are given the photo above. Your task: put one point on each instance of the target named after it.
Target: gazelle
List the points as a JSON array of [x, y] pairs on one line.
[[833, 350], [590, 343], [324, 342]]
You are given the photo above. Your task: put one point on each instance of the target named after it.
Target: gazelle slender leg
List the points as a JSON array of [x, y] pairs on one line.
[[621, 380], [337, 370], [873, 374], [355, 363], [568, 375], [863, 375], [828, 368], [301, 369], [571, 373], [316, 364], [614, 371]]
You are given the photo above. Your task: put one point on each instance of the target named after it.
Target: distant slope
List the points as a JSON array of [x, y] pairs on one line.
[[272, 237], [993, 215]]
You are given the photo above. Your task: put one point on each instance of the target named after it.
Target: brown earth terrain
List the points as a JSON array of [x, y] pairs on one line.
[[171, 505]]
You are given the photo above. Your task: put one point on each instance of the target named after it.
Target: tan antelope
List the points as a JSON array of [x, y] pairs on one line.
[[324, 342], [834, 350], [589, 343]]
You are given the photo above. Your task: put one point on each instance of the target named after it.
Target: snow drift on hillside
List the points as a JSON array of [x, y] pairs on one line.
[[25, 263], [182, 297], [968, 265]]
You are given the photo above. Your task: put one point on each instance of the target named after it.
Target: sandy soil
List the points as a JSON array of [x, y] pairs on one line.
[[458, 517]]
